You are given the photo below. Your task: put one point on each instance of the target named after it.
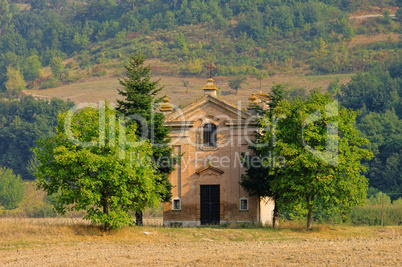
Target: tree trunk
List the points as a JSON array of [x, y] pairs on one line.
[[138, 218], [106, 209], [275, 221], [310, 219], [310, 212]]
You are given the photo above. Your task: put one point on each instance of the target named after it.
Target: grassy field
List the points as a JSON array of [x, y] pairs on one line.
[[71, 242], [97, 90]]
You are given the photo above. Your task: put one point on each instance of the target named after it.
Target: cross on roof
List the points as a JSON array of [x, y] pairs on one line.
[[210, 67]]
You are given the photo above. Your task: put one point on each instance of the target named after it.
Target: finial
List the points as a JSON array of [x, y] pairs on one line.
[[166, 107], [210, 88], [253, 102]]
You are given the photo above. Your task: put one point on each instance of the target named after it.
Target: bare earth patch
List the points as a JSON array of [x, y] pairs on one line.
[[52, 243]]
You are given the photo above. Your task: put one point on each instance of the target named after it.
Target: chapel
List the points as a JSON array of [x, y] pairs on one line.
[[211, 134]]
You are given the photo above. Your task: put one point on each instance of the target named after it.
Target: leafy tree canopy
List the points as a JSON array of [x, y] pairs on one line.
[[94, 164], [323, 151]]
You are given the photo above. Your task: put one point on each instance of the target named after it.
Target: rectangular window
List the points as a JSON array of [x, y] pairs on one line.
[[177, 204], [243, 204]]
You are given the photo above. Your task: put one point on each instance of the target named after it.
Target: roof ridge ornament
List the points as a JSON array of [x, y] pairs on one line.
[[253, 102], [210, 88], [166, 106]]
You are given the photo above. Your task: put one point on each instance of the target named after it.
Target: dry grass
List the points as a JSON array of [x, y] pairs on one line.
[[373, 10], [71, 242], [106, 89], [364, 39]]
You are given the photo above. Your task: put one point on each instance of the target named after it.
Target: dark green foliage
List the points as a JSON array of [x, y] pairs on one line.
[[11, 189], [398, 14], [23, 121], [377, 95], [314, 171], [373, 91], [384, 132], [257, 180], [263, 32], [141, 101]]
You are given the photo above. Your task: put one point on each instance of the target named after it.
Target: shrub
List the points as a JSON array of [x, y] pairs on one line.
[[11, 189], [50, 83]]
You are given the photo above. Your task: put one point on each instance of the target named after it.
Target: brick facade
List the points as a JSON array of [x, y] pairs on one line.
[[219, 164]]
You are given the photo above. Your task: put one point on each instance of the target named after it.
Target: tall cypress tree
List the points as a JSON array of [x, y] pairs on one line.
[[140, 103]]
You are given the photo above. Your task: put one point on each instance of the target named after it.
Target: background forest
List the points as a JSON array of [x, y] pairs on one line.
[[48, 43], [241, 37]]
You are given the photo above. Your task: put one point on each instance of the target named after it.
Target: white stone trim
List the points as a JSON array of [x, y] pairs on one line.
[[173, 203]]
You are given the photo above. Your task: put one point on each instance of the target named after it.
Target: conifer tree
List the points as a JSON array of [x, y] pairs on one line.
[[140, 103], [257, 179]]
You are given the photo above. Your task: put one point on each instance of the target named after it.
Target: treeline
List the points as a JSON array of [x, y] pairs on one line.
[[377, 96], [22, 122], [268, 35]]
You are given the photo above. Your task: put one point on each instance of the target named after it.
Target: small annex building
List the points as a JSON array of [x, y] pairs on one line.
[[211, 134]]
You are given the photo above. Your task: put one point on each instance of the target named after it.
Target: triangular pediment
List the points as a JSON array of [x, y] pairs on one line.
[[211, 169], [208, 103]]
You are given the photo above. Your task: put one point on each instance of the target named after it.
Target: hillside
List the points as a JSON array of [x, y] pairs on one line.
[[61, 43], [96, 90], [77, 50]]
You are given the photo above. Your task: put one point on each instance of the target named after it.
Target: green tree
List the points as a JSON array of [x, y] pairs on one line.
[[57, 67], [22, 121], [94, 163], [236, 83], [11, 189], [170, 20], [383, 130], [398, 14], [321, 49], [387, 16], [141, 100], [5, 15], [32, 67], [80, 41], [278, 94], [372, 91], [15, 81], [244, 42], [257, 180], [194, 66], [323, 152]]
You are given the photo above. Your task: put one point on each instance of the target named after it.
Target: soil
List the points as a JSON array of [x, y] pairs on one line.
[[158, 246]]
